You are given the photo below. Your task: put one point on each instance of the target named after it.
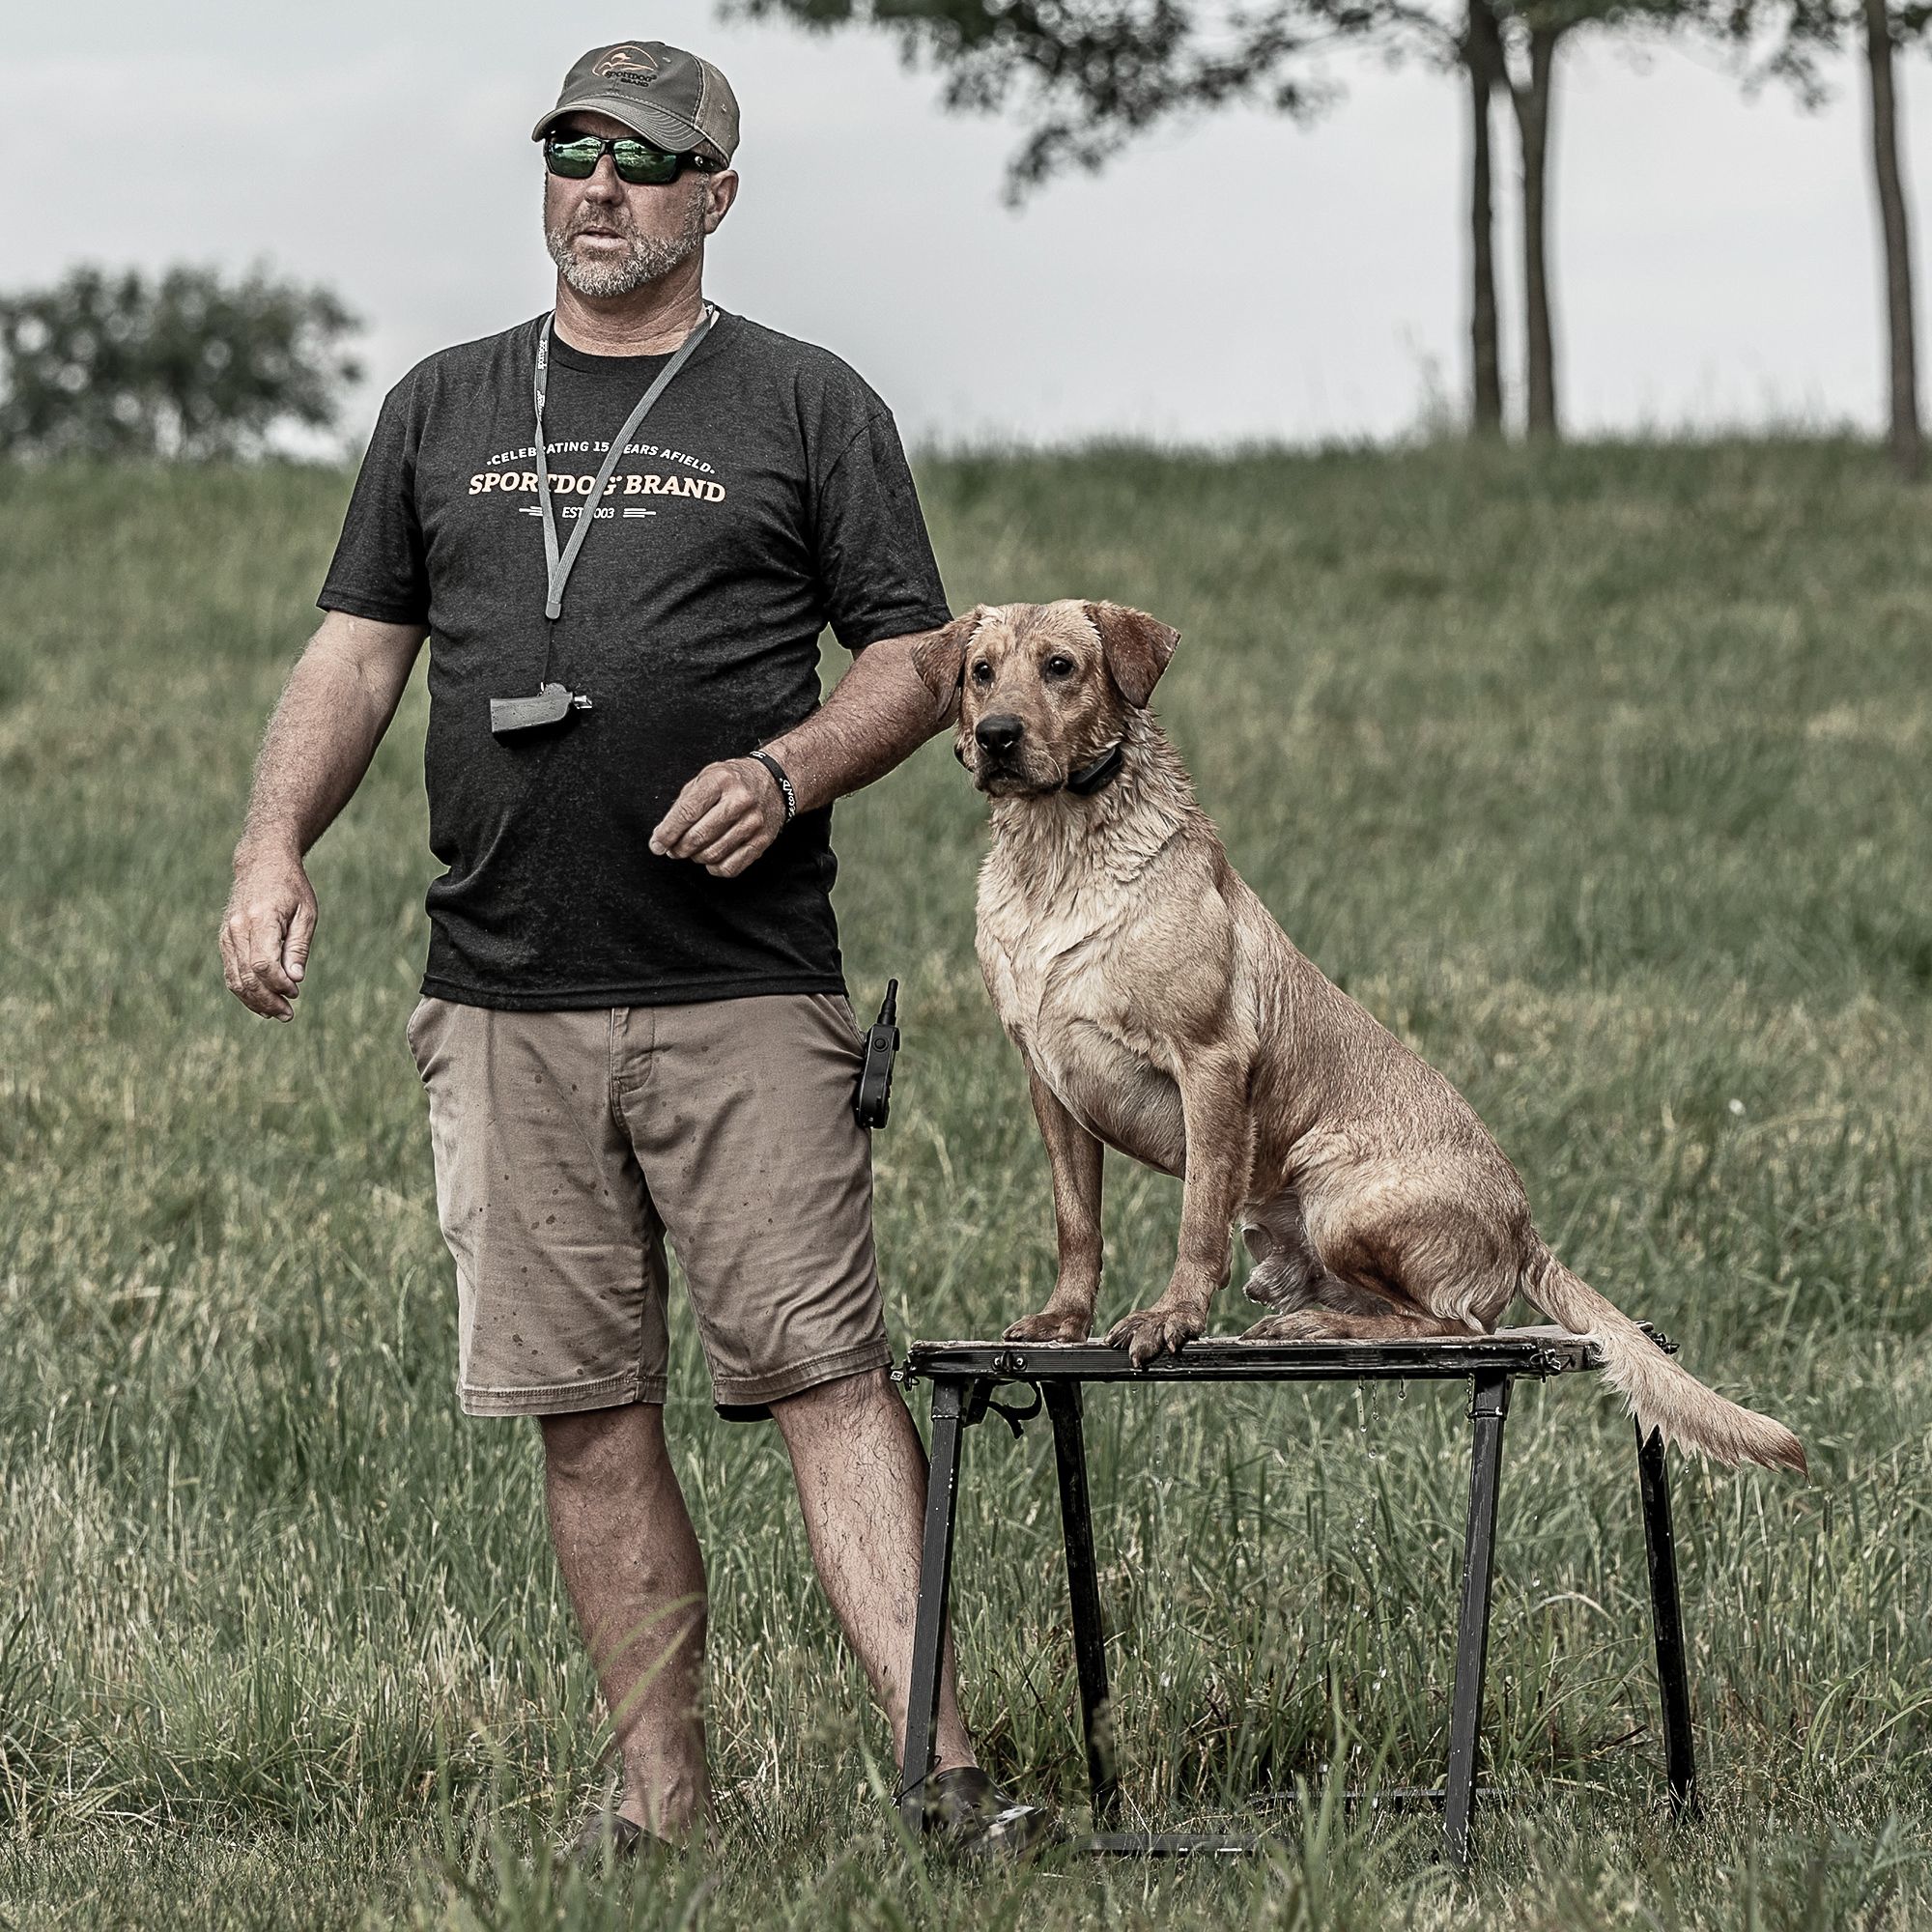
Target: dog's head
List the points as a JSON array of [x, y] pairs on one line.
[[1042, 689]]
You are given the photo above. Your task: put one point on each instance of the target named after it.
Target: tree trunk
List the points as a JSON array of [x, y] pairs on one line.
[[1906, 445], [1483, 58], [1531, 101]]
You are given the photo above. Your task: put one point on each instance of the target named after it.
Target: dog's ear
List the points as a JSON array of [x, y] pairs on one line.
[[1137, 648], [940, 657]]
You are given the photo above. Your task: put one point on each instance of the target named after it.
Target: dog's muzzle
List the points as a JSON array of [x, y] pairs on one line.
[[999, 740]]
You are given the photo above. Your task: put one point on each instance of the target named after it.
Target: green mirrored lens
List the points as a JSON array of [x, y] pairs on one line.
[[638, 163], [575, 160]]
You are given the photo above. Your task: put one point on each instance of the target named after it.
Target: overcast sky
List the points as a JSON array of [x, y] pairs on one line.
[[1240, 278]]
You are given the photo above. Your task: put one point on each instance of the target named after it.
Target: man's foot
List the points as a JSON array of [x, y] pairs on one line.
[[968, 1815]]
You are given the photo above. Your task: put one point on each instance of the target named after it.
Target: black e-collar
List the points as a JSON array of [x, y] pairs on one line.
[[1100, 774]]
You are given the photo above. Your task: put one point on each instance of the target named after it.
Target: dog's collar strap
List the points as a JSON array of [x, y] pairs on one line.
[[1102, 772]]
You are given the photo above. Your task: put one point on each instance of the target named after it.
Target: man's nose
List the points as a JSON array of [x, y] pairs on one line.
[[999, 734]]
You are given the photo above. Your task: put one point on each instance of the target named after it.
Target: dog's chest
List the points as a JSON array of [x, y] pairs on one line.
[[1053, 968], [1042, 968]]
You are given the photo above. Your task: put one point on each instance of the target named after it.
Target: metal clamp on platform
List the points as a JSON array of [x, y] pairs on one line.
[[964, 1375]]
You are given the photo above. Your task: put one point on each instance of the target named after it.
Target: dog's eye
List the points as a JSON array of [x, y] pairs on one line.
[[1059, 667], [982, 673]]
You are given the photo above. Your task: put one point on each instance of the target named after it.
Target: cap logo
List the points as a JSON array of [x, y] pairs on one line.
[[629, 61]]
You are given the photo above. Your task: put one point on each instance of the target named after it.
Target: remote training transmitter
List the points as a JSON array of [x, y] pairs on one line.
[[873, 1103]]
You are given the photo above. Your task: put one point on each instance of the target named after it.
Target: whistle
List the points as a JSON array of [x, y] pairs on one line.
[[552, 706]]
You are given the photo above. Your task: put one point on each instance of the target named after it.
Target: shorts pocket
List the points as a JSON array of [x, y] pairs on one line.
[[843, 1025], [412, 1031]]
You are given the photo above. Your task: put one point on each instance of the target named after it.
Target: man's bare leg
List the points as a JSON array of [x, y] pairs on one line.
[[861, 1472], [631, 1562]]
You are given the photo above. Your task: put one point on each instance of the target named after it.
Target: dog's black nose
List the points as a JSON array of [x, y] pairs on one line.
[[999, 734]]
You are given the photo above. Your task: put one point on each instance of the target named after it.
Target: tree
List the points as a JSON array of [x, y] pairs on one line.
[[1480, 54], [1532, 37], [1802, 32], [1474, 47], [187, 367], [1532, 32], [1091, 73], [1512, 45]]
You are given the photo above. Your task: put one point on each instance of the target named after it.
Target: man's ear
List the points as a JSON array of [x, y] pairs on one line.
[[1137, 648], [940, 657]]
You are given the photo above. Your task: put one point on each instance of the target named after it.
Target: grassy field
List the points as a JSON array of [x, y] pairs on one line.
[[1600, 775]]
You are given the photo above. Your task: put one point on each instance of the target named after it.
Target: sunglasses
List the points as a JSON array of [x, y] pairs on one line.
[[640, 163]]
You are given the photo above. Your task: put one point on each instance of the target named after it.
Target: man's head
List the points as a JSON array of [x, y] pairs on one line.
[[1042, 689], [607, 236]]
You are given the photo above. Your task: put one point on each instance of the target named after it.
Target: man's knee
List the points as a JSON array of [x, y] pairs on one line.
[[603, 1448], [846, 1402]]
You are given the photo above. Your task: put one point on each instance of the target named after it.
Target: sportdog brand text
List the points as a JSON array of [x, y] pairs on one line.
[[634, 483]]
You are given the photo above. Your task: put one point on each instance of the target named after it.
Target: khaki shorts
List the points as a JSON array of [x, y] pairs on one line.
[[569, 1143]]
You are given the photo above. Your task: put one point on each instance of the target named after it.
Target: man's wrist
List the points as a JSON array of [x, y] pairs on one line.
[[265, 848], [780, 777]]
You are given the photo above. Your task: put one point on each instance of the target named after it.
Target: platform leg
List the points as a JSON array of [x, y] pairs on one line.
[[935, 1576], [1673, 1683], [1083, 1583], [1487, 1407]]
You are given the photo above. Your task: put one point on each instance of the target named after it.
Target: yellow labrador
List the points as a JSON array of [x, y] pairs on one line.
[[1162, 1012]]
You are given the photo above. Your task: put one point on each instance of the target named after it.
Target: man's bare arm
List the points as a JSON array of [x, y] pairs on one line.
[[880, 713], [334, 711]]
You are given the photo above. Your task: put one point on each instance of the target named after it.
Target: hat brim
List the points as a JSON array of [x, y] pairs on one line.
[[650, 123]]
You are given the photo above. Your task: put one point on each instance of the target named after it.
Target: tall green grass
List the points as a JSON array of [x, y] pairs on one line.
[[1599, 774]]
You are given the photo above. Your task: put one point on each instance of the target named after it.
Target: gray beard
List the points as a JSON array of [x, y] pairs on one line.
[[648, 258]]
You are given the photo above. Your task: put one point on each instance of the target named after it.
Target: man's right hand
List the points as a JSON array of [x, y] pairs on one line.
[[266, 933]]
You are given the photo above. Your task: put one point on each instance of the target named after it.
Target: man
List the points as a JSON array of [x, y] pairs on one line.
[[634, 1021]]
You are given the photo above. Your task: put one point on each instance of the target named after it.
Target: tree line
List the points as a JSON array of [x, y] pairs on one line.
[[1085, 76], [188, 365]]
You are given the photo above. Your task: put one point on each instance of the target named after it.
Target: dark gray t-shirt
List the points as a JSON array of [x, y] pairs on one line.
[[765, 496]]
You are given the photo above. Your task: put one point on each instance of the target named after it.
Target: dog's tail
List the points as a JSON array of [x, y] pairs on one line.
[[1661, 1395]]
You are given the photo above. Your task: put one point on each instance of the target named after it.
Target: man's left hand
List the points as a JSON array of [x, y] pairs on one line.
[[724, 819]]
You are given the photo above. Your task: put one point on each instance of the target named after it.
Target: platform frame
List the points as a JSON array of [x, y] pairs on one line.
[[965, 1375]]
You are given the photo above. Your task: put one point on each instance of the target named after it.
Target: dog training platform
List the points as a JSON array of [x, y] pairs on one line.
[[964, 1375]]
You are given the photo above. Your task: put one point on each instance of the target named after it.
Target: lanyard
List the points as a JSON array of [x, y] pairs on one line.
[[560, 566]]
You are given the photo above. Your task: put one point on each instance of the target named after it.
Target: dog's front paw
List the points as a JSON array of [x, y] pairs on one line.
[[1052, 1324], [1303, 1325], [1153, 1331]]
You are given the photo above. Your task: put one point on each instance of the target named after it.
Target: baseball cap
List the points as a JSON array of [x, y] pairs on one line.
[[662, 93]]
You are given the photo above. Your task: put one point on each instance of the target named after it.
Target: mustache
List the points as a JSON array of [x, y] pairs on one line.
[[610, 222]]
